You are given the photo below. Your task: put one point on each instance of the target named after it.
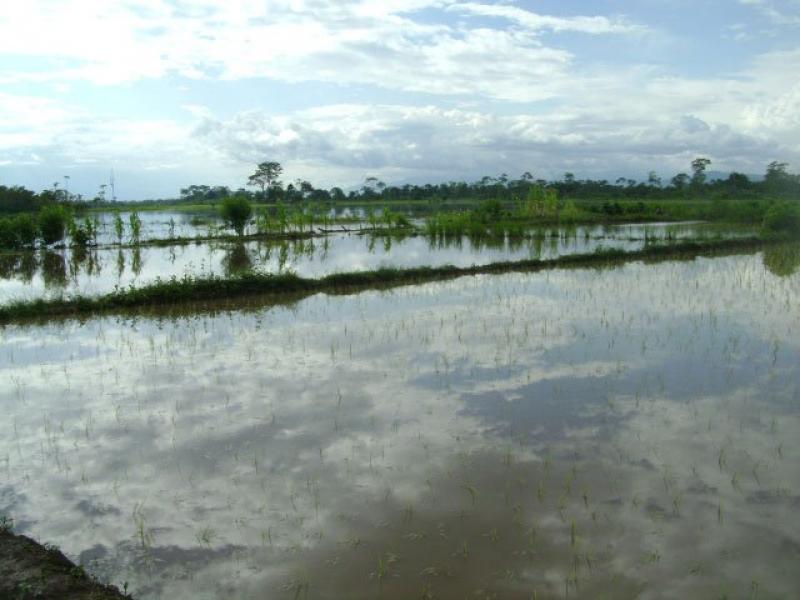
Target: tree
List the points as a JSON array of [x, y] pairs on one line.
[[699, 170], [236, 212], [776, 177], [680, 181], [266, 174], [653, 180]]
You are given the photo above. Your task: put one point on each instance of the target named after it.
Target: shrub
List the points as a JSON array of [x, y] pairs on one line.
[[53, 223], [570, 212], [236, 212], [17, 232], [25, 227], [783, 217], [80, 236], [8, 237]]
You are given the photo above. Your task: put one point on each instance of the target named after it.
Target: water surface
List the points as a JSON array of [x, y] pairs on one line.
[[619, 433], [94, 271]]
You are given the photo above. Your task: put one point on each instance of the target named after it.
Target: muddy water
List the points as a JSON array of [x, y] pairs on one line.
[[95, 271], [619, 433]]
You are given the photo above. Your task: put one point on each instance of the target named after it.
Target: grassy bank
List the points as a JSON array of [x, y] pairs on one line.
[[191, 289]]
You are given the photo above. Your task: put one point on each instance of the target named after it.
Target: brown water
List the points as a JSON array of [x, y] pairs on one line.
[[619, 433]]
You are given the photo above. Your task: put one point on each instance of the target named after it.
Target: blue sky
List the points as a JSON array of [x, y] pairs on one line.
[[170, 93]]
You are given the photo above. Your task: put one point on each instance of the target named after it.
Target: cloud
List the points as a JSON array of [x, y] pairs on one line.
[[595, 25], [380, 44], [412, 90], [430, 143], [779, 12]]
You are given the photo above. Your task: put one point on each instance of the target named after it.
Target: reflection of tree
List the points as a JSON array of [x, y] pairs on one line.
[[136, 261], [94, 266], [283, 256], [21, 265], [783, 260], [237, 260], [120, 263], [77, 257], [54, 269]]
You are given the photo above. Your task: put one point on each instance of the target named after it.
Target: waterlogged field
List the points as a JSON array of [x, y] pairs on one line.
[[165, 224], [630, 432], [28, 275]]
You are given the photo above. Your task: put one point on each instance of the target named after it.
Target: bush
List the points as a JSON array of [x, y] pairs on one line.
[[80, 236], [8, 237], [236, 212], [570, 213], [53, 223], [25, 227], [783, 217], [17, 232]]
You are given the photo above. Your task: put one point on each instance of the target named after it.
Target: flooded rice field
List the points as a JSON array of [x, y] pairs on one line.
[[27, 275], [619, 433]]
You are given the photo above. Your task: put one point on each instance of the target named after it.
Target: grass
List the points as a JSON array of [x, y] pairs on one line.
[[192, 289]]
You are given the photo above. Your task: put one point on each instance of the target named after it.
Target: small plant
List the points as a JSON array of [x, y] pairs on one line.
[[119, 227], [136, 226], [6, 524]]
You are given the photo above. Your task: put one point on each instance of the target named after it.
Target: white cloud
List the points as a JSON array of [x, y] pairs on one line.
[[376, 43], [472, 60], [430, 143], [536, 22], [780, 12]]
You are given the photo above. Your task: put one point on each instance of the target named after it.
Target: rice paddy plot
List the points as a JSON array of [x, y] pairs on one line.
[[569, 433]]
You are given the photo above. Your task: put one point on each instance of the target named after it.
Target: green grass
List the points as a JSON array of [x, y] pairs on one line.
[[192, 289]]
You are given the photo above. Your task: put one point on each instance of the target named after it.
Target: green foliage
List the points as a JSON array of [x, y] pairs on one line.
[[783, 217], [119, 227], [236, 212], [82, 234], [570, 213], [489, 211], [783, 260], [52, 223], [18, 231], [18, 199], [8, 236], [540, 202], [136, 226]]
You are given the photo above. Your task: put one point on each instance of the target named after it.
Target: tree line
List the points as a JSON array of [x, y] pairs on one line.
[[777, 182]]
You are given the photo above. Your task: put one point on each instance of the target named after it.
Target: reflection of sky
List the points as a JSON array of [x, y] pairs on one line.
[[101, 270], [503, 433]]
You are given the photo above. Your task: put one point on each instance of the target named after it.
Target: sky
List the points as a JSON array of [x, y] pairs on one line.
[[169, 93]]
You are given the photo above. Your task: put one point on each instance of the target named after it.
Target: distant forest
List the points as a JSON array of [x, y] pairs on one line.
[[777, 182]]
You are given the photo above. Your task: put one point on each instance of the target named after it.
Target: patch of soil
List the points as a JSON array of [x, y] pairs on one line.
[[30, 570]]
